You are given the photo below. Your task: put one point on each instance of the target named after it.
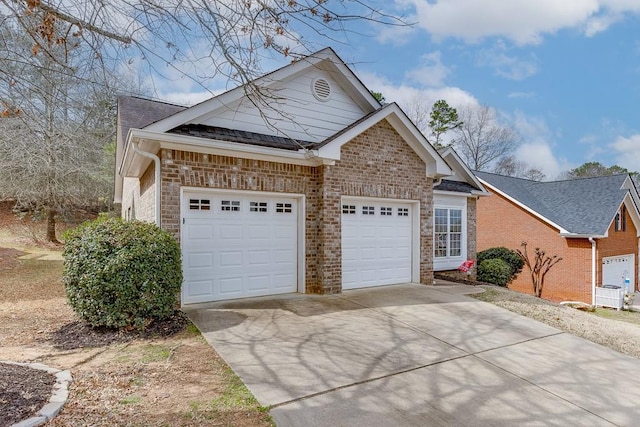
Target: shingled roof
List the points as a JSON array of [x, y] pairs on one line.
[[455, 186], [241, 136], [581, 206], [136, 113]]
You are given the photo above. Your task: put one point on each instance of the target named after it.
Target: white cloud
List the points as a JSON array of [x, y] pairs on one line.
[[431, 73], [507, 66], [521, 21], [627, 152], [536, 149], [185, 98], [405, 94]]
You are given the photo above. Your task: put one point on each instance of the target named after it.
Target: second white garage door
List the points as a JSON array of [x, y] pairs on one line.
[[376, 243], [237, 245]]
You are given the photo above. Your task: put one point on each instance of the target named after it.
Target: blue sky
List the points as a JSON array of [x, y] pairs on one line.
[[565, 74]]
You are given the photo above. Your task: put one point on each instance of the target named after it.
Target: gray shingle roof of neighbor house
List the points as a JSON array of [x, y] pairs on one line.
[[136, 112], [581, 206], [241, 136]]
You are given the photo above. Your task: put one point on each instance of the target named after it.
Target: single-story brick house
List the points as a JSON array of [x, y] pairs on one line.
[[592, 223], [315, 187]]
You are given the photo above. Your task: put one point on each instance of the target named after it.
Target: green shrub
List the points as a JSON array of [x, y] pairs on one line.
[[121, 274], [507, 255], [495, 271]]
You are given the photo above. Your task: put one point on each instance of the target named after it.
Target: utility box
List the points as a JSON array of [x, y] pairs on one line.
[[610, 296]]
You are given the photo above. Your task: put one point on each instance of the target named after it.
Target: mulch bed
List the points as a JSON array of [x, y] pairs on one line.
[[80, 334], [23, 392]]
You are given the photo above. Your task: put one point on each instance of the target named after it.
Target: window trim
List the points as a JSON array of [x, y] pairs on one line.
[[449, 203]]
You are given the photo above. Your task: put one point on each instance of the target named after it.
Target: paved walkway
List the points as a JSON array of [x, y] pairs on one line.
[[414, 355]]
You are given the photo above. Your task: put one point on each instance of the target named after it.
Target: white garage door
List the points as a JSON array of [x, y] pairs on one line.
[[620, 271], [238, 245], [376, 243]]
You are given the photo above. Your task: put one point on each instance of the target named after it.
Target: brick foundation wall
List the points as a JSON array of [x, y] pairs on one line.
[[502, 223]]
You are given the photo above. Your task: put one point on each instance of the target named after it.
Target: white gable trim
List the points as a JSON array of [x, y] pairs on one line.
[[326, 59], [629, 203], [449, 154], [561, 230], [436, 167]]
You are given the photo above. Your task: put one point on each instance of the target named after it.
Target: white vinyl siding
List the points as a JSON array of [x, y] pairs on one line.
[[314, 120]]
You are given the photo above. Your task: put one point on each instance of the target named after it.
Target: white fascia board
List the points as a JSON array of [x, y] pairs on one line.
[[473, 194], [633, 191], [470, 176], [436, 166], [582, 236], [629, 202], [561, 230], [217, 147]]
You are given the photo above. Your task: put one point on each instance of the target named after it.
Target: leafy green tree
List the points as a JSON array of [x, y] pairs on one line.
[[443, 119], [591, 169], [379, 96]]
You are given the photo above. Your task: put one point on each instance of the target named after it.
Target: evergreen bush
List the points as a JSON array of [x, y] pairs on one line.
[[121, 274], [495, 271], [512, 258]]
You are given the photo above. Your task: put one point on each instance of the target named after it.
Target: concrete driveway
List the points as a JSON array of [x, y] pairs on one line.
[[412, 355]]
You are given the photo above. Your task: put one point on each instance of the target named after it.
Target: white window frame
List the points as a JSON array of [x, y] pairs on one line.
[[450, 203]]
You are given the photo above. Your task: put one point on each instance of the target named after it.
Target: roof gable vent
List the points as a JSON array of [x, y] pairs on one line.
[[321, 89]]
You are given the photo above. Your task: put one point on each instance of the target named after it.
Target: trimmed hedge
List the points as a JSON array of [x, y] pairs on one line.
[[495, 271], [121, 274], [507, 255]]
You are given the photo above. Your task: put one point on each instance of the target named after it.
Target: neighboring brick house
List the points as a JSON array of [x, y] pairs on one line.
[[313, 187], [590, 222]]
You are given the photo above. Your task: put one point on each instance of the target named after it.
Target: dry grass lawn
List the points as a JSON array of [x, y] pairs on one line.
[[175, 381]]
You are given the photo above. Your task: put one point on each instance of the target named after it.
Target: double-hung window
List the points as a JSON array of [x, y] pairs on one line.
[[448, 232]]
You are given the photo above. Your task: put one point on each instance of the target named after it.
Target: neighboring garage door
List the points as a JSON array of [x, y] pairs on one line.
[[616, 269], [376, 243], [238, 245]]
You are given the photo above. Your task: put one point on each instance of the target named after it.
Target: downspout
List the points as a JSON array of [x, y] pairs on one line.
[[156, 161], [593, 271]]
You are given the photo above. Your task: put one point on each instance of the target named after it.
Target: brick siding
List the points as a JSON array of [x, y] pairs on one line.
[[502, 223], [377, 163], [619, 243]]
